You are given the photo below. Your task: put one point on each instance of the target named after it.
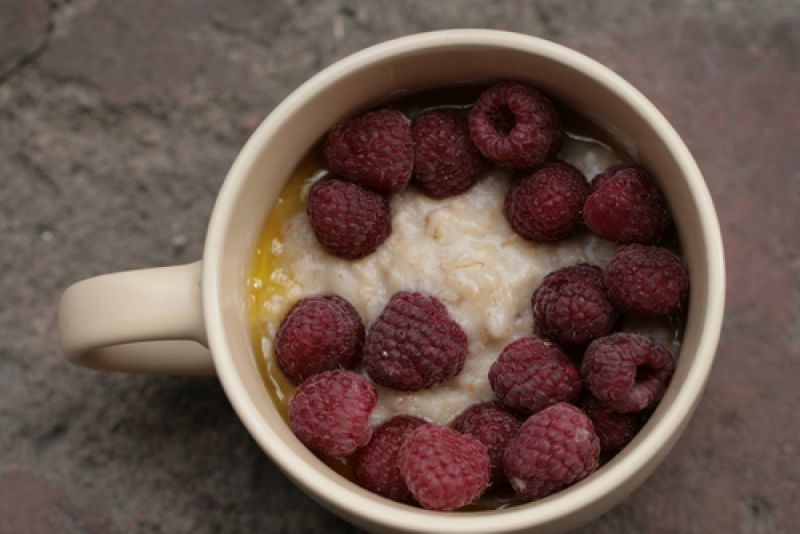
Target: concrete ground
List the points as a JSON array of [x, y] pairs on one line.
[[118, 120]]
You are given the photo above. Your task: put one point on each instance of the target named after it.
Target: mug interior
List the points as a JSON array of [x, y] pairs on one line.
[[428, 61]]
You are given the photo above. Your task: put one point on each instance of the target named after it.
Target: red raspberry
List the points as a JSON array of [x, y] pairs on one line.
[[349, 221], [374, 150], [614, 429], [547, 204], [554, 448], [375, 466], [446, 163], [414, 343], [533, 373], [571, 307], [626, 206], [493, 426], [515, 126], [627, 372], [319, 334], [330, 411], [443, 469], [646, 280]]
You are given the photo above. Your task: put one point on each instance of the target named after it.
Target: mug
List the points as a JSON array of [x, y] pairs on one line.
[[192, 319]]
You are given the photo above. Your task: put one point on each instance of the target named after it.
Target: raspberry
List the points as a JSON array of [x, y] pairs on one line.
[[446, 163], [627, 372], [547, 204], [493, 426], [330, 411], [375, 466], [374, 150], [319, 334], [625, 206], [554, 448], [349, 221], [613, 429], [515, 126], [580, 272], [646, 280], [533, 373], [571, 307], [414, 343], [443, 469]]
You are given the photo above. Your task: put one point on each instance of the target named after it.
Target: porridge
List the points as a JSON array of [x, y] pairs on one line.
[[461, 250]]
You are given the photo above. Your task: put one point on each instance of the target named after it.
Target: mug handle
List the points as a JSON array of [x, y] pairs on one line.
[[148, 320]]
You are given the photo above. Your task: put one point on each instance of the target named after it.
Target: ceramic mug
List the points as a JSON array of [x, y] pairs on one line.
[[162, 320]]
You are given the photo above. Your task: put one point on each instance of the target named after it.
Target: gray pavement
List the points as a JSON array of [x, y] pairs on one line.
[[118, 120]]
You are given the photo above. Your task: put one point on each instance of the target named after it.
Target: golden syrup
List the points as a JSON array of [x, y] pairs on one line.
[[268, 278]]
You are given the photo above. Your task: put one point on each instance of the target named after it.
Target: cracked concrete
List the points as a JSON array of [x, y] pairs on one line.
[[118, 120], [25, 27]]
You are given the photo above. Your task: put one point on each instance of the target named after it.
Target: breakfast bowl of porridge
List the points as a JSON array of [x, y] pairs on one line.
[[463, 281]]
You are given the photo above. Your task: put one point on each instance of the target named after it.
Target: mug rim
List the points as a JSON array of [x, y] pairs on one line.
[[402, 517]]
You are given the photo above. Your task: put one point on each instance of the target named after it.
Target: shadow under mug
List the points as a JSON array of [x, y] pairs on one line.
[[162, 320]]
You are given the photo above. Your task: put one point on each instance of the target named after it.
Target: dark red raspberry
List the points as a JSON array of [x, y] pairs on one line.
[[493, 426], [375, 466], [547, 204], [627, 372], [330, 412], [515, 126], [554, 448], [646, 280], [614, 429], [571, 307], [446, 163], [414, 343], [374, 150], [349, 221], [443, 469], [626, 206], [319, 334], [531, 374]]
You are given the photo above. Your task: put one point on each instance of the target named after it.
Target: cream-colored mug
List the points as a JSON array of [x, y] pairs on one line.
[[162, 320]]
